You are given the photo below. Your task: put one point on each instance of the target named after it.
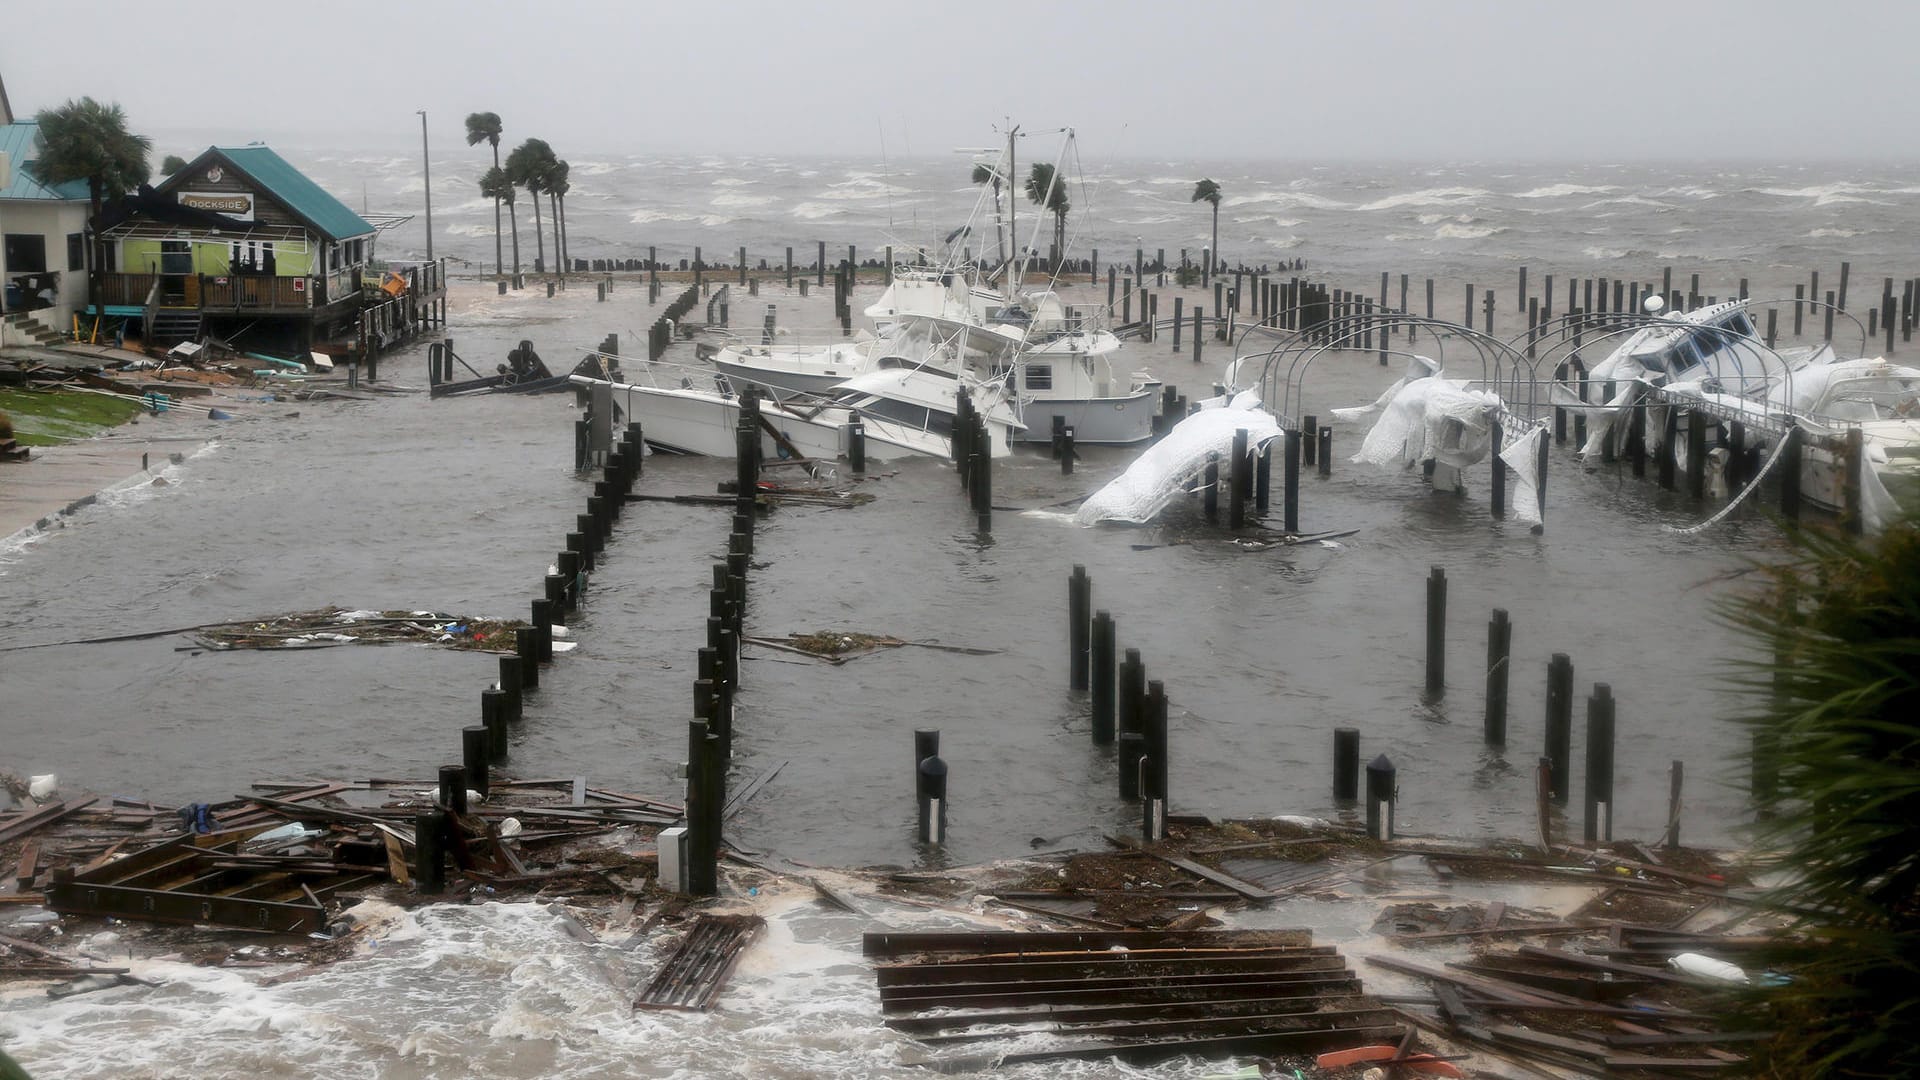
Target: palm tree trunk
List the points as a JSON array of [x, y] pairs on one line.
[[498, 268], [564, 249], [553, 206], [1213, 253], [539, 237], [513, 216], [96, 274]]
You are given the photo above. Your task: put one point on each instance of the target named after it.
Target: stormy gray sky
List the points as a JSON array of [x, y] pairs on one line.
[[1773, 80]]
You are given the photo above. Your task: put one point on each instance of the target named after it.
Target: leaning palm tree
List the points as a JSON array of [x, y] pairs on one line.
[[485, 127], [173, 164], [527, 167], [495, 185], [989, 174], [85, 140], [557, 188], [1207, 191], [1046, 190]]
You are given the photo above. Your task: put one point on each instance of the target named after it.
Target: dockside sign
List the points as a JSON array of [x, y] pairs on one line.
[[232, 204]]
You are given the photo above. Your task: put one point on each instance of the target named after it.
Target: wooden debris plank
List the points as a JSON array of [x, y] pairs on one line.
[[1267, 1044], [1670, 1038], [693, 976], [1013, 995], [1535, 930], [1635, 1061], [945, 1020], [1496, 989], [1205, 873], [34, 820], [29, 865], [893, 943], [1582, 1047], [1083, 919], [1275, 1023], [1495, 912]]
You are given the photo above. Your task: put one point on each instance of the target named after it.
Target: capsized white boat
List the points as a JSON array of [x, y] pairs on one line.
[[904, 412], [1166, 468]]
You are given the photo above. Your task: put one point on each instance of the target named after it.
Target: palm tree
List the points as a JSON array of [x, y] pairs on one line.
[[1207, 191], [988, 174], [558, 186], [495, 185], [85, 140], [1045, 190], [173, 164], [485, 127], [527, 167], [1835, 720]]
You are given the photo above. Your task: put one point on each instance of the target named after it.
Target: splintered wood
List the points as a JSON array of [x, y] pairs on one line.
[[1142, 996], [693, 976]]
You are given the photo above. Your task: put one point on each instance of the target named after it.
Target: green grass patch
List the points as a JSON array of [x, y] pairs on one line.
[[47, 417]]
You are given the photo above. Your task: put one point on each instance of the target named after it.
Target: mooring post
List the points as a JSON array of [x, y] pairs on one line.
[[1497, 486], [1346, 764], [1560, 724], [1790, 475], [1263, 478], [1132, 693], [510, 687], [1290, 494], [1599, 816], [1676, 775], [1499, 652], [933, 800], [429, 849], [1853, 476], [453, 789], [1153, 768], [1696, 453], [1079, 611], [474, 755], [493, 717], [857, 445], [526, 645], [1066, 450], [1197, 321], [1210, 488], [1436, 630], [1179, 319], [1101, 689], [1310, 434], [1326, 450], [1382, 793]]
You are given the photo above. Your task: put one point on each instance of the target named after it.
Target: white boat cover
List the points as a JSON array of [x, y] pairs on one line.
[[1179, 458], [1425, 416]]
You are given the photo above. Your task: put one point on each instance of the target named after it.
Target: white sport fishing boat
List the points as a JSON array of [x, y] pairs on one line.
[[905, 412], [1714, 355], [1058, 360]]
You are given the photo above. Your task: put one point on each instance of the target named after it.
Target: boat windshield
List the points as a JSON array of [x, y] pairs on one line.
[[1871, 399], [906, 413]]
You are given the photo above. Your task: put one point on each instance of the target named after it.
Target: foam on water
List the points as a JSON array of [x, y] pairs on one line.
[[1441, 196]]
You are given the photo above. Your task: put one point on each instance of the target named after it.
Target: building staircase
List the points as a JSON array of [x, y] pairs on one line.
[[171, 326], [24, 327]]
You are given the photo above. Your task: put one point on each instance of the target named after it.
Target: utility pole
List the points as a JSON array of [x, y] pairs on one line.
[[426, 165]]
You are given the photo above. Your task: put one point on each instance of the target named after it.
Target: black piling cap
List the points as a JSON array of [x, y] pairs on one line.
[[1380, 764]]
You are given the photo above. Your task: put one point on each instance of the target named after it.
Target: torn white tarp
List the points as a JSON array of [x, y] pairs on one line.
[[1424, 416], [1522, 457], [1167, 467]]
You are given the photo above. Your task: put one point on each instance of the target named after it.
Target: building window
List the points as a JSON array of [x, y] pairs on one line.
[[26, 253], [1039, 376], [176, 257], [76, 252]]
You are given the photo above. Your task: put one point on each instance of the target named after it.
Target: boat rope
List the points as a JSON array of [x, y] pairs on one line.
[[1752, 486]]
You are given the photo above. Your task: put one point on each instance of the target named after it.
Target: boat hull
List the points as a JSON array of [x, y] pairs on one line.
[[1115, 421]]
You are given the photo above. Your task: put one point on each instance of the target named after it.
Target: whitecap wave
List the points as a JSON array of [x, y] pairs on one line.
[[1441, 196], [1302, 199], [1561, 191], [813, 211], [1835, 234], [649, 217], [730, 199], [1452, 231]]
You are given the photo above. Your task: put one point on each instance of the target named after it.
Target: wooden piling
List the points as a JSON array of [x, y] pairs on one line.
[[1346, 764], [1154, 766], [429, 852], [1238, 481], [1599, 788], [1102, 675], [1560, 723], [1497, 485], [1326, 450], [1290, 491], [1079, 613], [1132, 700], [474, 755], [1436, 631], [1696, 454], [1210, 488], [1382, 792]]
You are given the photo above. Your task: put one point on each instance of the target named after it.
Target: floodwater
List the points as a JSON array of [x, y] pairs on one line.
[[459, 506]]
